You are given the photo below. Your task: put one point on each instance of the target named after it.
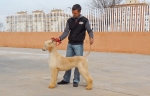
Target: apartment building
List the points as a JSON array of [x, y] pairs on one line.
[[132, 1], [130, 17], [38, 21]]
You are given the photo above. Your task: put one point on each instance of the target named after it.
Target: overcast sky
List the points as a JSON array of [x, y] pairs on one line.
[[13, 6]]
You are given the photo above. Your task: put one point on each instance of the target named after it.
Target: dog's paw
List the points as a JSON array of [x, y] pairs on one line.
[[51, 86], [88, 88]]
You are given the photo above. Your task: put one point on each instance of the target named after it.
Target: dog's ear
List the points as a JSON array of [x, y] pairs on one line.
[[49, 43], [54, 42], [50, 49]]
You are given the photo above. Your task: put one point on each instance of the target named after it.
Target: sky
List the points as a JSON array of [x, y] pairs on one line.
[[14, 6]]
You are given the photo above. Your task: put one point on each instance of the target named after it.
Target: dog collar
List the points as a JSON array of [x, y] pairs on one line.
[[57, 41]]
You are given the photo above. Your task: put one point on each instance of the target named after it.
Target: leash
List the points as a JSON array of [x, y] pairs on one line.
[[89, 50], [56, 40]]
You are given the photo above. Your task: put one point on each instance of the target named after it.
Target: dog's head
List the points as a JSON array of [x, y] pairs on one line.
[[49, 45]]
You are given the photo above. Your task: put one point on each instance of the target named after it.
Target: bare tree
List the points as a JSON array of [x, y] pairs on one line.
[[100, 4]]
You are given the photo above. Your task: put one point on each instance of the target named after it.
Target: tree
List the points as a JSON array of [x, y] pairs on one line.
[[100, 4]]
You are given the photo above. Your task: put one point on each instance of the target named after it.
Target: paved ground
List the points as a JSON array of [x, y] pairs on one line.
[[25, 72]]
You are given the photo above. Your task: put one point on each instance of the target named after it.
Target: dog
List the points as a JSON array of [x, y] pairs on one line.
[[58, 63]]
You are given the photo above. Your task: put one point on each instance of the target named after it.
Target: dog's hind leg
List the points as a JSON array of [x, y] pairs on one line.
[[84, 72], [54, 74]]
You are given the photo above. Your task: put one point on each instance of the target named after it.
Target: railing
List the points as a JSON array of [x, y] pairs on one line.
[[118, 19]]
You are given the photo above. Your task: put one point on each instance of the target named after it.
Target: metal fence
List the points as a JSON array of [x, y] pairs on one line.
[[118, 19]]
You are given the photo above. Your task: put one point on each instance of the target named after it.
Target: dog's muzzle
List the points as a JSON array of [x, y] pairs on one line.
[[43, 49]]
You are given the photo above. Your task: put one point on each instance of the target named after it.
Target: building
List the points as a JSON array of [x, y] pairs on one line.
[[132, 1], [37, 21], [18, 22], [130, 17], [58, 20], [1, 27]]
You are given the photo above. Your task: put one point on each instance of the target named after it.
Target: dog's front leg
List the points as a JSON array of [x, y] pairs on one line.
[[54, 74]]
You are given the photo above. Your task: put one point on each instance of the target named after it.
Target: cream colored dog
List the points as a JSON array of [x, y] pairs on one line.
[[59, 63]]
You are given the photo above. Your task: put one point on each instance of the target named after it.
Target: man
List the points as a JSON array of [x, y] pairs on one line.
[[76, 29]]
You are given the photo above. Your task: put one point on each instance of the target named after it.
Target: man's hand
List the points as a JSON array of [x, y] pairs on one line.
[[91, 41], [58, 39]]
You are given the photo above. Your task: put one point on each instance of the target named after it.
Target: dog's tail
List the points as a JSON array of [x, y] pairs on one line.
[[88, 52]]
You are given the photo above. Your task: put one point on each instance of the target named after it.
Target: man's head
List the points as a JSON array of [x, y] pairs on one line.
[[76, 10]]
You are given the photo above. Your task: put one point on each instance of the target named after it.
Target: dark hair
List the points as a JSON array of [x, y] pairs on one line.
[[77, 7]]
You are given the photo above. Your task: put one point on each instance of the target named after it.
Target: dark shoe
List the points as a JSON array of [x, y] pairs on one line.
[[75, 84], [62, 82]]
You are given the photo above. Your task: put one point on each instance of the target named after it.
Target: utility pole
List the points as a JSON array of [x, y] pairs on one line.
[[114, 2]]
